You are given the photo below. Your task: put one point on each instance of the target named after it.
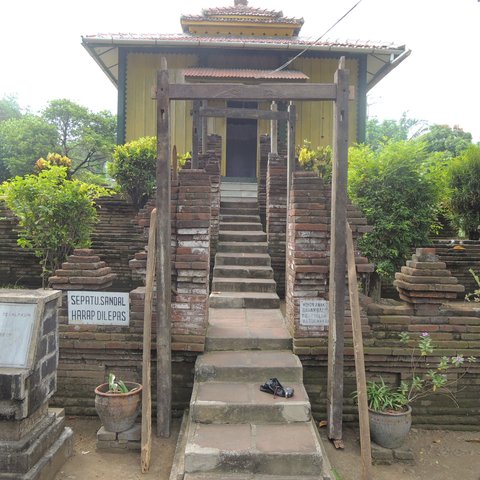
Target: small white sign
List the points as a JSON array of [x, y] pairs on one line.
[[16, 326], [314, 313], [98, 308]]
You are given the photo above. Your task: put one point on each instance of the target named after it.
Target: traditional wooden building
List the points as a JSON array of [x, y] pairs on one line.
[[239, 44]]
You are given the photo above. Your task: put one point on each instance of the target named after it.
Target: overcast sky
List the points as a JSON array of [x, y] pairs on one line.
[[42, 57]]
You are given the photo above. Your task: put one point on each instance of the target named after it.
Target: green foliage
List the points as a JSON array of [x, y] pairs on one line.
[[464, 182], [380, 133], [55, 214], [475, 295], [182, 160], [116, 386], [318, 160], [133, 168], [451, 140], [382, 397], [398, 200], [9, 108], [86, 137], [23, 141]]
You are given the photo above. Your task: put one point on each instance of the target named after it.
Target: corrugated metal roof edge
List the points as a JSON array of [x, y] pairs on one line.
[[91, 41]]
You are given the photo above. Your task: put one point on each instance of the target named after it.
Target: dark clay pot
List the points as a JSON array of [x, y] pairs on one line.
[[118, 411], [390, 430]]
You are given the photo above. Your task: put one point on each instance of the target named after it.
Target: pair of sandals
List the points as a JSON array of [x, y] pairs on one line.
[[275, 388]]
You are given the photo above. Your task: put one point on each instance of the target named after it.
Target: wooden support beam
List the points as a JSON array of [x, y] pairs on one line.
[[274, 130], [365, 445], [147, 348], [195, 132], [337, 256], [174, 163], [164, 287], [261, 92], [243, 113]]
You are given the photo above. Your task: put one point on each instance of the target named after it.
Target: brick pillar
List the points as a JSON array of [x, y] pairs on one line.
[[308, 246], [262, 178], [192, 261], [276, 220]]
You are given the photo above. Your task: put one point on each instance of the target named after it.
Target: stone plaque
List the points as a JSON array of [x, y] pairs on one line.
[[314, 313], [16, 326], [98, 308]]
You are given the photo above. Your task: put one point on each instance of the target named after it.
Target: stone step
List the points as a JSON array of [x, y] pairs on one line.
[[249, 366], [240, 226], [226, 402], [241, 203], [289, 449], [246, 476], [239, 218], [244, 300], [242, 259], [245, 236], [242, 271], [238, 195], [227, 185], [242, 247], [239, 211], [222, 284]]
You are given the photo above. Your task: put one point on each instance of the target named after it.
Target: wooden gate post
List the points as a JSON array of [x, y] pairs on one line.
[[164, 279], [292, 123], [338, 224], [204, 123], [274, 131], [195, 132]]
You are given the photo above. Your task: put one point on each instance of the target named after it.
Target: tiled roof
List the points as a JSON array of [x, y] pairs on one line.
[[263, 20], [235, 73], [290, 42]]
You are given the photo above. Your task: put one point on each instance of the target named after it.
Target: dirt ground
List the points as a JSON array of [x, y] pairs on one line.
[[439, 455]]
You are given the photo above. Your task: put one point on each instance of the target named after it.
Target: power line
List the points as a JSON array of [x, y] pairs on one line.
[[286, 64]]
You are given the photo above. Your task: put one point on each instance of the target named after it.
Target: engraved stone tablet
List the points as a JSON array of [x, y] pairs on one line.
[[314, 313], [16, 326]]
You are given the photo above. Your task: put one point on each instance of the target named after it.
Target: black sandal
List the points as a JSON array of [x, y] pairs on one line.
[[275, 388]]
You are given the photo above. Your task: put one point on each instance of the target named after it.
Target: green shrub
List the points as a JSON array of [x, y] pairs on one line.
[[133, 168], [55, 214], [464, 182], [318, 160]]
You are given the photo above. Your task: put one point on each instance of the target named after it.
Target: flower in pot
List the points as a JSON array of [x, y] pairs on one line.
[[390, 407], [118, 403]]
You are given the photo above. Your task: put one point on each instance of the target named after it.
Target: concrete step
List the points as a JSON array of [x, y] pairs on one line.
[[264, 285], [241, 271], [242, 259], [245, 236], [241, 226], [239, 218], [241, 203], [226, 402], [238, 195], [238, 211], [244, 300], [289, 449], [242, 247], [247, 476]]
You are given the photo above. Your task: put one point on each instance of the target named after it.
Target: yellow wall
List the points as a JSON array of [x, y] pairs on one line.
[[315, 119]]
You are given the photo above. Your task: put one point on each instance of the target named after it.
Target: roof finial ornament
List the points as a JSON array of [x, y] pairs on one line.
[[241, 2]]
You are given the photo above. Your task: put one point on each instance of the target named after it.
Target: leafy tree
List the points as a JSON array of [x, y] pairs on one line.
[[380, 133], [451, 140], [23, 141], [9, 108], [55, 214], [464, 177], [85, 137], [133, 168], [397, 199]]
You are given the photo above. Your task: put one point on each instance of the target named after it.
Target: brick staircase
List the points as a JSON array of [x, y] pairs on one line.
[[234, 431], [243, 276]]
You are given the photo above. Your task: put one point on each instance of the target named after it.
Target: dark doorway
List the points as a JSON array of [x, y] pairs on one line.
[[241, 144]]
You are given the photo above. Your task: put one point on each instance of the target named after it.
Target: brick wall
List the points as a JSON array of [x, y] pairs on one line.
[[276, 220]]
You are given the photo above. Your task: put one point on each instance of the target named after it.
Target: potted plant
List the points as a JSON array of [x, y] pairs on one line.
[[390, 407], [118, 403]]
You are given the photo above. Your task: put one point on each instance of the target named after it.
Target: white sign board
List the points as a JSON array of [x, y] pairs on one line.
[[314, 313], [16, 327], [98, 308]]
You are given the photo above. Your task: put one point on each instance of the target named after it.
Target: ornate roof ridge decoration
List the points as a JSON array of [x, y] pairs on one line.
[[240, 13]]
